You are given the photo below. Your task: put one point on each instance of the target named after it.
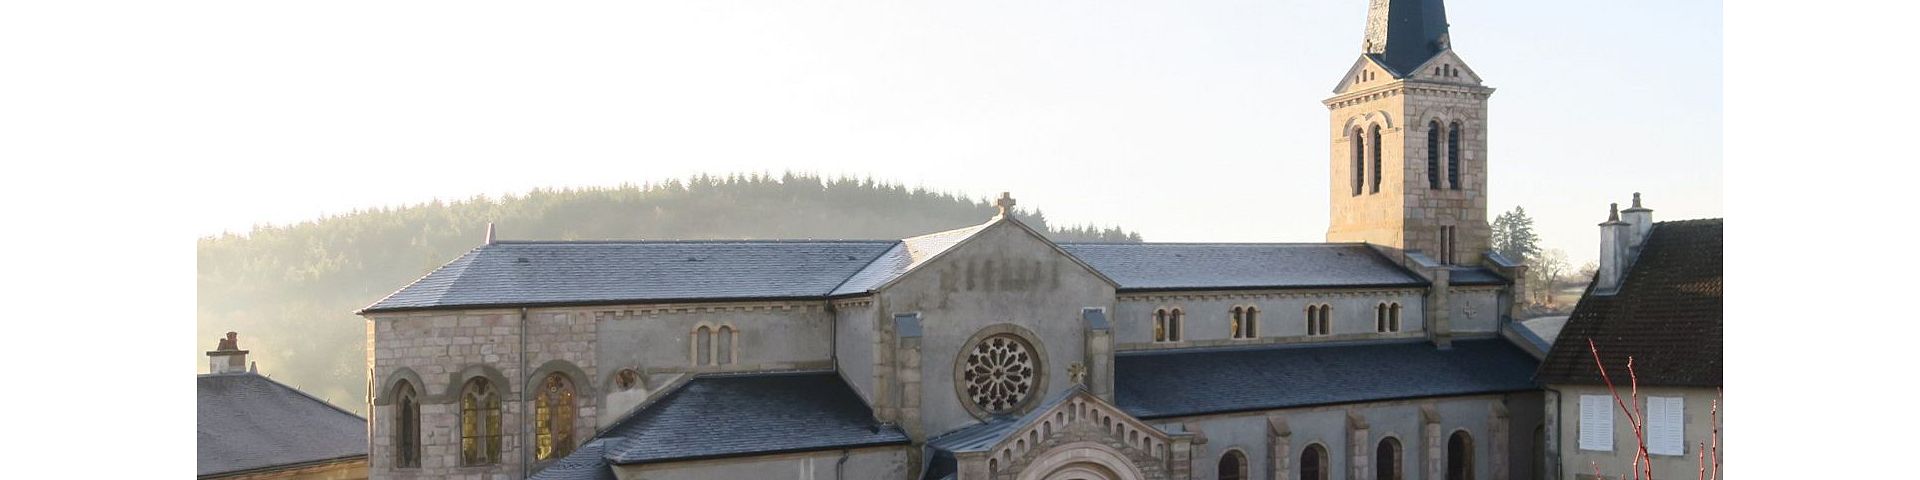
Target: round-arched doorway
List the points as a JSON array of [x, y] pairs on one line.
[[1081, 461]]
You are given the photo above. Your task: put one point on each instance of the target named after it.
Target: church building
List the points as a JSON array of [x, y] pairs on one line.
[[991, 352]]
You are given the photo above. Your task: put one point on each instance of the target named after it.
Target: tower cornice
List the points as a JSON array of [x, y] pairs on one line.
[[1402, 87]]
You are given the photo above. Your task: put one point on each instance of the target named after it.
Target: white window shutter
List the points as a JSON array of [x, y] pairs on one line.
[[1666, 427], [1596, 423]]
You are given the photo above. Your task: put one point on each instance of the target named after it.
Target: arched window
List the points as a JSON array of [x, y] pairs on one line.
[[724, 346], [1160, 325], [1233, 466], [1173, 325], [1433, 154], [1251, 326], [1380, 318], [1359, 141], [1453, 156], [1233, 323], [627, 379], [703, 346], [1320, 320], [406, 426], [1393, 317], [1375, 142], [1460, 456], [1313, 463], [1387, 459], [553, 418], [479, 423]]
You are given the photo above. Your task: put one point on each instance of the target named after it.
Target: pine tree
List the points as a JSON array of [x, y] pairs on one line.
[[1513, 236]]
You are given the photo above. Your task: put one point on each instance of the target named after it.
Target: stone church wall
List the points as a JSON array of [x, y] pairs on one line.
[[440, 351], [1005, 275], [1331, 428], [855, 347], [875, 463], [1282, 317], [1474, 309]]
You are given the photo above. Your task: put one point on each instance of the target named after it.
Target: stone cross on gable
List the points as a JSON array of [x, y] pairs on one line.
[[1004, 203]]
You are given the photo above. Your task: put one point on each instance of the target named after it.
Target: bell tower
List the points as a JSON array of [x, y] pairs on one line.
[[1409, 156]]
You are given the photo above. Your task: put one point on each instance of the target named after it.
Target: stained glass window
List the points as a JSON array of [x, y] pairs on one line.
[[479, 423], [553, 413]]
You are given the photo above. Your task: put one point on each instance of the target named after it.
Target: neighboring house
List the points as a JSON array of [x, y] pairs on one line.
[[1656, 299], [251, 427], [992, 352]]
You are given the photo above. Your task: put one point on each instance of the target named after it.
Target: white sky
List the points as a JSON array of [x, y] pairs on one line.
[[1185, 121]]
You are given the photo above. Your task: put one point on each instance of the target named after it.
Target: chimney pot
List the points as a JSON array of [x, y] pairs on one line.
[[227, 357]]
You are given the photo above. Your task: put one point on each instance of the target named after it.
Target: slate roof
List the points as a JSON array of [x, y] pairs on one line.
[[1470, 276], [550, 273], [587, 273], [1666, 315], [1160, 384], [249, 422], [1414, 28], [1184, 266], [904, 256], [585, 463], [751, 414]]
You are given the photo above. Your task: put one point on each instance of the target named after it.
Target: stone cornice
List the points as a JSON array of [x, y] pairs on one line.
[[1404, 87], [1232, 295]]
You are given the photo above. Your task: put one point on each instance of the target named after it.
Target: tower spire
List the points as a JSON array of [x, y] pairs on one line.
[[1405, 33]]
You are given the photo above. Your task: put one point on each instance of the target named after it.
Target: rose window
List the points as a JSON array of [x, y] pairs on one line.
[[999, 373]]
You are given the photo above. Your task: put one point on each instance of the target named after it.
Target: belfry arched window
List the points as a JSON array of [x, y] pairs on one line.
[[1453, 156], [406, 426], [553, 415], [1313, 463], [479, 423], [1460, 456], [1359, 141], [1387, 459], [1160, 325], [1433, 154], [1374, 141], [1380, 318]]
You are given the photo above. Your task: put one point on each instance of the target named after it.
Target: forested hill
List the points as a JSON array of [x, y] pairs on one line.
[[290, 290]]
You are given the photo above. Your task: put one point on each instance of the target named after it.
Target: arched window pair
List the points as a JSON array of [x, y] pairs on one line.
[[1166, 325], [1361, 139], [714, 346], [1386, 317], [1319, 320], [1245, 322], [1452, 152], [480, 425]]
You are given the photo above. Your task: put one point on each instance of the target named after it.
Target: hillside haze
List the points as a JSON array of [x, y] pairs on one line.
[[290, 291]]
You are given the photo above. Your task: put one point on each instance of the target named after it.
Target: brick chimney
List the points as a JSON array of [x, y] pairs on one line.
[[1616, 250], [228, 358]]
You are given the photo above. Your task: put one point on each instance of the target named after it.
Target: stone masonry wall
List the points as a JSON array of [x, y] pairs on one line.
[[440, 351]]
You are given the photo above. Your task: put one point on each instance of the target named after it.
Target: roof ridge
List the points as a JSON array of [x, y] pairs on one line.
[[1272, 244], [687, 241]]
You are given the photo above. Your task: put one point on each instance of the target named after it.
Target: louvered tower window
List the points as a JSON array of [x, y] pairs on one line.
[[1375, 141], [1453, 156], [1433, 155]]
